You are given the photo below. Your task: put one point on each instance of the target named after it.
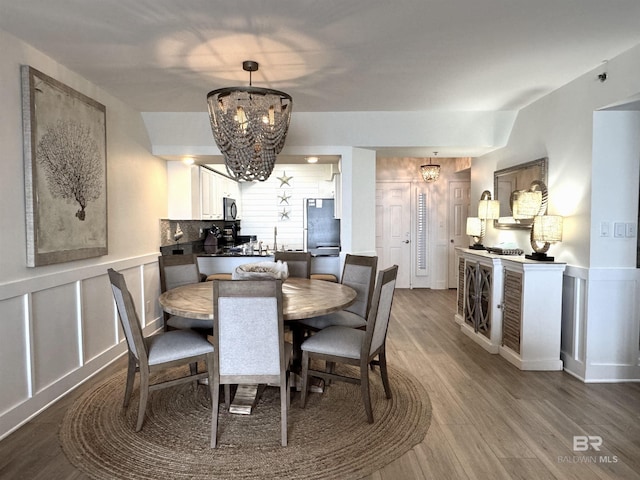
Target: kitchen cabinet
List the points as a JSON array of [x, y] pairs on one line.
[[183, 191], [195, 192], [229, 188], [512, 306], [210, 197]]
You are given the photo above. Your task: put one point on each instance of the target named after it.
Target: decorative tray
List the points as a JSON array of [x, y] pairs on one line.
[[505, 251]]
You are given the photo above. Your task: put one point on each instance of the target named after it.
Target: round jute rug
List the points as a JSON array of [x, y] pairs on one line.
[[329, 439]]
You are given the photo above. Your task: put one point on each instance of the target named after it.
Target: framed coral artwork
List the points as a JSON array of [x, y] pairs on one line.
[[65, 160]]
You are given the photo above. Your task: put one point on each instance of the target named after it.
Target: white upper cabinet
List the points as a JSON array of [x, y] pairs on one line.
[[211, 189], [196, 193], [183, 196]]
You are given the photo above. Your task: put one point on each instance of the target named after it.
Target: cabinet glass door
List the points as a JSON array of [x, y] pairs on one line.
[[471, 288], [483, 311], [477, 304]]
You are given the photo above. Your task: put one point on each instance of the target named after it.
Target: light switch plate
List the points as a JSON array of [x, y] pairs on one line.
[[619, 230], [604, 229], [631, 230]]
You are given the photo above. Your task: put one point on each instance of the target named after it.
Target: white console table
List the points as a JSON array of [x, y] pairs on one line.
[[511, 306]]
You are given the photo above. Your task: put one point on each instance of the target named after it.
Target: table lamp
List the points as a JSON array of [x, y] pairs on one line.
[[547, 229], [488, 209], [475, 229]]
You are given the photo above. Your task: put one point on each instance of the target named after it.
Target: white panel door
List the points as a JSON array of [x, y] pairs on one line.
[[393, 229], [458, 212]]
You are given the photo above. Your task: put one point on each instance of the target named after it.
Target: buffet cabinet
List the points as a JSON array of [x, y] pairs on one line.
[[512, 306], [479, 300]]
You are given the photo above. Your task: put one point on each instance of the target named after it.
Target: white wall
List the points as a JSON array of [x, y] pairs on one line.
[[594, 162], [58, 322], [615, 180]]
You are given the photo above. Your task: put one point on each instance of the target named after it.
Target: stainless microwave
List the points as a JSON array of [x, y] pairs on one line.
[[229, 208]]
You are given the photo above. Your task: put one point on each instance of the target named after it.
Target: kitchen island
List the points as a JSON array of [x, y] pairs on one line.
[[227, 263]]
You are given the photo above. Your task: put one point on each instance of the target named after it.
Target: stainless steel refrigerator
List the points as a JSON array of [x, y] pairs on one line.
[[321, 228]]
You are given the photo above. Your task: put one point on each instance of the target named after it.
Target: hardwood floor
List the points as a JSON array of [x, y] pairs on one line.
[[490, 420]]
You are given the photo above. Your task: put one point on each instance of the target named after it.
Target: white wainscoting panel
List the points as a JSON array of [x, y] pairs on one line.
[[54, 328], [100, 331], [601, 324], [151, 281], [58, 330], [15, 381]]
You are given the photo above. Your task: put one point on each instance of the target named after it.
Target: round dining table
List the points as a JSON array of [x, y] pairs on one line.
[[301, 298]]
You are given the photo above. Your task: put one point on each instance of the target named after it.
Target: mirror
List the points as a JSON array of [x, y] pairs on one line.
[[510, 179]]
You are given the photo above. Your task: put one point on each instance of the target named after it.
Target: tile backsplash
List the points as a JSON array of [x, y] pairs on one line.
[[193, 230]]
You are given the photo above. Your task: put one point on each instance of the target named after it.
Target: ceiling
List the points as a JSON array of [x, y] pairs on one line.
[[330, 55]]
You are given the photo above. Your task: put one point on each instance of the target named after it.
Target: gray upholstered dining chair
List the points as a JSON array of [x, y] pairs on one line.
[[249, 341], [156, 352], [359, 273], [352, 346], [299, 263], [175, 271]]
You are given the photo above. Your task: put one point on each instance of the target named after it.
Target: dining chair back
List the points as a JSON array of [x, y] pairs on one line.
[[299, 263], [176, 271], [359, 273], [157, 352], [340, 344], [249, 341]]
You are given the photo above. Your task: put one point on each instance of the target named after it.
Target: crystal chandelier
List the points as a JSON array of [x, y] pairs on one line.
[[249, 126], [430, 173]]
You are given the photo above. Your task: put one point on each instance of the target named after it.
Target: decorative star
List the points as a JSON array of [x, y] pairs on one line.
[[284, 198], [284, 180], [284, 214]]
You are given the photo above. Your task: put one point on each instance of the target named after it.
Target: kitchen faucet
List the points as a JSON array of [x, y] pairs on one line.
[[275, 237]]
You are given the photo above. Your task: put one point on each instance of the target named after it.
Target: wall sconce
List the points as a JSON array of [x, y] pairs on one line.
[[547, 229], [475, 229]]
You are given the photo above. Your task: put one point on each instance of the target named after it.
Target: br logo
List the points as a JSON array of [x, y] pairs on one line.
[[582, 443]]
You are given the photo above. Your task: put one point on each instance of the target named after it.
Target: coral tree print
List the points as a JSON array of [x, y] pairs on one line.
[[72, 164], [65, 171]]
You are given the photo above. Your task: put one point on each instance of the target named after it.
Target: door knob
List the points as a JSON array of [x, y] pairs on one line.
[[406, 241]]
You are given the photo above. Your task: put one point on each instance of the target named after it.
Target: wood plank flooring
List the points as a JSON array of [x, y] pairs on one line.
[[490, 420]]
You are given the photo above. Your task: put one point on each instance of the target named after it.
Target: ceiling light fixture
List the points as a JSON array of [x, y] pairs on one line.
[[430, 173], [249, 126], [312, 159]]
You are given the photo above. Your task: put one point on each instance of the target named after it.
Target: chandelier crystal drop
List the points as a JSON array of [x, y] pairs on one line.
[[249, 126]]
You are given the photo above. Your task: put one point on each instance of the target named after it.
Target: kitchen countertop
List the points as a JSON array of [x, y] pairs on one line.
[[255, 255]]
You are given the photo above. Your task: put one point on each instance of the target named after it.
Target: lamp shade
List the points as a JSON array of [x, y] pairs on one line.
[[488, 209], [526, 204], [474, 227], [547, 228]]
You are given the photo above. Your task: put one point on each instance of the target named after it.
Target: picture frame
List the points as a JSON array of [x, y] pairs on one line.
[[518, 177], [65, 166]]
